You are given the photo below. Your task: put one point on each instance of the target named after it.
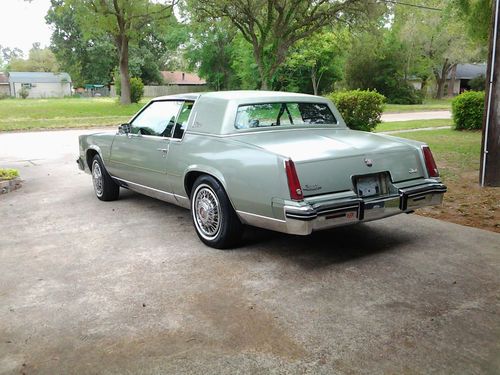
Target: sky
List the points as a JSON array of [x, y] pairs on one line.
[[23, 23]]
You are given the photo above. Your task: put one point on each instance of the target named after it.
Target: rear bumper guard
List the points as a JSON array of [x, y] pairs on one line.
[[306, 219]]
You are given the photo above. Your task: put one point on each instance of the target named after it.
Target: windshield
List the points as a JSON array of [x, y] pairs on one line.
[[283, 114]]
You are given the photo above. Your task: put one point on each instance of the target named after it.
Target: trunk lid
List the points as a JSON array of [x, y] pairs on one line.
[[327, 159]]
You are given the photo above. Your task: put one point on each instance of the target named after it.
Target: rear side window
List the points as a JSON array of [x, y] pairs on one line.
[[283, 114], [182, 119]]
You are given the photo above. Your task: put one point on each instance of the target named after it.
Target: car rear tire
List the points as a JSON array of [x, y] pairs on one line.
[[104, 187], [214, 218]]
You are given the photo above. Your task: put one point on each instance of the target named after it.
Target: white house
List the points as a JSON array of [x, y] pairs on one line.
[[40, 84]]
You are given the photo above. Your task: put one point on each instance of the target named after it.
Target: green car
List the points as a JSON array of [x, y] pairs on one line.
[[280, 161]]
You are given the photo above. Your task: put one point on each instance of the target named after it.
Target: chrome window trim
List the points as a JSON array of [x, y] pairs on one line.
[[284, 102], [130, 135]]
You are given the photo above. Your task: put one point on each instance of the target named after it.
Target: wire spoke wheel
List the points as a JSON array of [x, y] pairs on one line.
[[97, 178], [207, 212]]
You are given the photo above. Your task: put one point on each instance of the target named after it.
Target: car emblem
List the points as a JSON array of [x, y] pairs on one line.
[[413, 170], [368, 162], [312, 188]]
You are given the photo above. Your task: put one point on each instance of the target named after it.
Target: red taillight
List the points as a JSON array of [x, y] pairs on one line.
[[430, 164], [293, 181]]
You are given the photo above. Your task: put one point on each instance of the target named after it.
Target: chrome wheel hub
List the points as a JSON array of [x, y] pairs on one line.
[[97, 178], [207, 213]]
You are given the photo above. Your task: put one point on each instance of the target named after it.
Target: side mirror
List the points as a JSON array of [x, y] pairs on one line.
[[124, 129]]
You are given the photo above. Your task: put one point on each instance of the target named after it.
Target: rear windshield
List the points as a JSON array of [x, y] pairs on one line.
[[283, 114]]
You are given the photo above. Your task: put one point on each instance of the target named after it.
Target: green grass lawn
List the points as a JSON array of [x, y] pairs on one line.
[[19, 114], [413, 124], [427, 105]]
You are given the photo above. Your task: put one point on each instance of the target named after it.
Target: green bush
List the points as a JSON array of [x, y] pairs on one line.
[[136, 88], [478, 83], [404, 93], [360, 109], [8, 174], [467, 109], [24, 92]]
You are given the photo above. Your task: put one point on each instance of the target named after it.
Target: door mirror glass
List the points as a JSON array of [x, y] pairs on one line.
[[124, 129]]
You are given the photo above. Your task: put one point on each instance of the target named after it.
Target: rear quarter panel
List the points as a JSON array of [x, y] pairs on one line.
[[250, 176]]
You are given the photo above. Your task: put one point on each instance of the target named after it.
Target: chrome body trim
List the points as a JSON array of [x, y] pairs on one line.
[[236, 134], [165, 196]]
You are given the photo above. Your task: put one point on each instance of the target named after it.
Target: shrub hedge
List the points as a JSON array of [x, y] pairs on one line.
[[360, 109], [468, 109], [136, 88]]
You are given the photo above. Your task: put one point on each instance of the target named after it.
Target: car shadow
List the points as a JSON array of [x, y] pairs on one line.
[[338, 245]]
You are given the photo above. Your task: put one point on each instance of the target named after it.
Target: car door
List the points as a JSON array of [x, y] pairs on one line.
[[141, 156]]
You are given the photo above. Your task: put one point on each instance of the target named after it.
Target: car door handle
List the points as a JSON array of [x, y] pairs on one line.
[[162, 149]]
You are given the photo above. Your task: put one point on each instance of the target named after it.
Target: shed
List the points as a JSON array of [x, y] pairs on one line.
[[40, 84]]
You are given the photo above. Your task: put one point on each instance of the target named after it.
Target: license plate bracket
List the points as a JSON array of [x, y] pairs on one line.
[[368, 186]]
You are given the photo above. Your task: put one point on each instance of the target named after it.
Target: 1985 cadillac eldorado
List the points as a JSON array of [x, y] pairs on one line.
[[280, 161]]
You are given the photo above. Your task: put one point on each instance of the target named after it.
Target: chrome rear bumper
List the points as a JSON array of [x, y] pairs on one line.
[[305, 219]]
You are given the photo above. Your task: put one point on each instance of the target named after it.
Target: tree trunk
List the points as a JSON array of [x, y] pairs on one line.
[[314, 82], [440, 87], [441, 78], [124, 73], [451, 85]]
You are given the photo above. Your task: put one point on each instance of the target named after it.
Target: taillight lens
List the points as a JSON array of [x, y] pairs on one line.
[[430, 164], [293, 181]]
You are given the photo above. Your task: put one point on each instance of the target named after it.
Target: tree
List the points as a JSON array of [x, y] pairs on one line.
[[125, 21], [476, 15], [7, 54], [86, 59], [376, 61], [210, 52], [39, 60], [319, 57], [437, 37], [92, 57], [272, 27]]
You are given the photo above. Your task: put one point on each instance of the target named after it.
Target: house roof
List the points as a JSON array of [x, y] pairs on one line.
[[39, 77], [182, 78], [4, 79], [469, 71]]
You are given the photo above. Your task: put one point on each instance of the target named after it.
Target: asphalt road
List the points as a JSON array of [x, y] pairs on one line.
[[126, 287], [407, 116]]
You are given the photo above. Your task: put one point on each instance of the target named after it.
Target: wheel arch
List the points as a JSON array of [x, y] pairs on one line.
[[90, 153], [195, 171]]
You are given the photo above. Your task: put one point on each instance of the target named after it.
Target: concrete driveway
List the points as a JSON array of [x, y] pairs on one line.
[[126, 287]]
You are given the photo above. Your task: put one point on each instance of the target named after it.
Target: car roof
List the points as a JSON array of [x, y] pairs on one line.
[[237, 95]]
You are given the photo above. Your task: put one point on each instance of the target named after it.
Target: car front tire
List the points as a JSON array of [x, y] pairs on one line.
[[214, 218], [104, 187]]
